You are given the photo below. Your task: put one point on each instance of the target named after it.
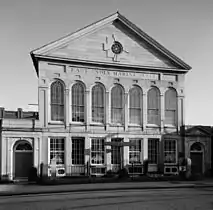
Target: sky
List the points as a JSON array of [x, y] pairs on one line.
[[185, 27]]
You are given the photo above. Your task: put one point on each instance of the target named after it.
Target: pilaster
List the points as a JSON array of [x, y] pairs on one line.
[[126, 112], [126, 152], [44, 106], [145, 148], [144, 112], [107, 110], [108, 154], [88, 109], [67, 107], [162, 111]]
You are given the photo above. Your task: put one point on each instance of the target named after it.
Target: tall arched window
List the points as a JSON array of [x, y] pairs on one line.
[[57, 101], [78, 102], [153, 106], [171, 107], [98, 103], [135, 105], [117, 104]]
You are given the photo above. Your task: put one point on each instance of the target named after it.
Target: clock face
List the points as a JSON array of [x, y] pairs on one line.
[[117, 47]]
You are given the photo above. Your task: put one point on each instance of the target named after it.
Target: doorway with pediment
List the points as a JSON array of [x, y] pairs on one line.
[[22, 159], [197, 158]]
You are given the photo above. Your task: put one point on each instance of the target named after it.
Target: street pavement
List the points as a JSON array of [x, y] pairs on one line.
[[23, 189], [128, 199]]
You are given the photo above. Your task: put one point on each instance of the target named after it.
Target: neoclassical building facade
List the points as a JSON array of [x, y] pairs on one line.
[[110, 96]]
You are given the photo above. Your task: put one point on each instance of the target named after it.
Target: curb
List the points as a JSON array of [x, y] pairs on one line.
[[103, 189]]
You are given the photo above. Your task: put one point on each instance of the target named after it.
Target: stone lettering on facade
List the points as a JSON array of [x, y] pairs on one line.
[[168, 77], [103, 72]]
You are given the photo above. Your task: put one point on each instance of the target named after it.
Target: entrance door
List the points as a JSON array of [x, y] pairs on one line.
[[197, 162], [117, 154], [196, 155], [23, 159]]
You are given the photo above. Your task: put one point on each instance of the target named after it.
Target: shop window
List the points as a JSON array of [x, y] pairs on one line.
[[170, 151], [57, 151], [135, 151], [97, 151]]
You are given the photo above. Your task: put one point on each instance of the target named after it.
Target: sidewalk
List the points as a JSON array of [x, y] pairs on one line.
[[18, 189]]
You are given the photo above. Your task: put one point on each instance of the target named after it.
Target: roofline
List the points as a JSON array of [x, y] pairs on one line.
[[109, 17], [98, 63], [152, 41], [106, 20]]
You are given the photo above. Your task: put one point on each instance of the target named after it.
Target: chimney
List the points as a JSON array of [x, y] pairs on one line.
[[20, 113], [1, 112]]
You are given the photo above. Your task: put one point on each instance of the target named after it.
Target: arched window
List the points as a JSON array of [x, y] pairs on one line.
[[78, 103], [57, 101], [153, 106], [98, 103], [135, 105], [171, 107], [117, 104]]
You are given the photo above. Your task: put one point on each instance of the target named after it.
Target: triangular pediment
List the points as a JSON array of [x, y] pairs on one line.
[[197, 131], [113, 40]]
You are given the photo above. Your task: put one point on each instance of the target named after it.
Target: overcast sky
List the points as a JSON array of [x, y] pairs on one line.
[[185, 27]]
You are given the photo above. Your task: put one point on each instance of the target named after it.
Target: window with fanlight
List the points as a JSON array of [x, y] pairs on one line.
[[78, 102], [57, 101], [153, 106], [135, 100], [171, 107], [117, 104], [98, 96]]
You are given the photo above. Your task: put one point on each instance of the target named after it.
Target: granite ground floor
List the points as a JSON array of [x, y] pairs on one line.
[[96, 154]]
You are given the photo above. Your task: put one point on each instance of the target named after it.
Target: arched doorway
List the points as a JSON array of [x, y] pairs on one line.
[[196, 155], [23, 159]]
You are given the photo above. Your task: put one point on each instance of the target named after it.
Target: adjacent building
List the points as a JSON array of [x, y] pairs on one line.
[[110, 96]]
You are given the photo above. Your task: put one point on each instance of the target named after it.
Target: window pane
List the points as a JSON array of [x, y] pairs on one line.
[[170, 107], [117, 100], [135, 151], [78, 151], [57, 150], [57, 101], [170, 117], [78, 103], [170, 152], [97, 151], [98, 104], [135, 106], [153, 106]]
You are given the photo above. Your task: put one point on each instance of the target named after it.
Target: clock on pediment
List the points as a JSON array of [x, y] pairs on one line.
[[113, 48]]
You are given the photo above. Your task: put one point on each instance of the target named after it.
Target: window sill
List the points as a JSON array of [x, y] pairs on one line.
[[116, 124], [98, 165], [96, 123], [135, 125], [152, 126], [169, 126], [78, 123], [56, 122]]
